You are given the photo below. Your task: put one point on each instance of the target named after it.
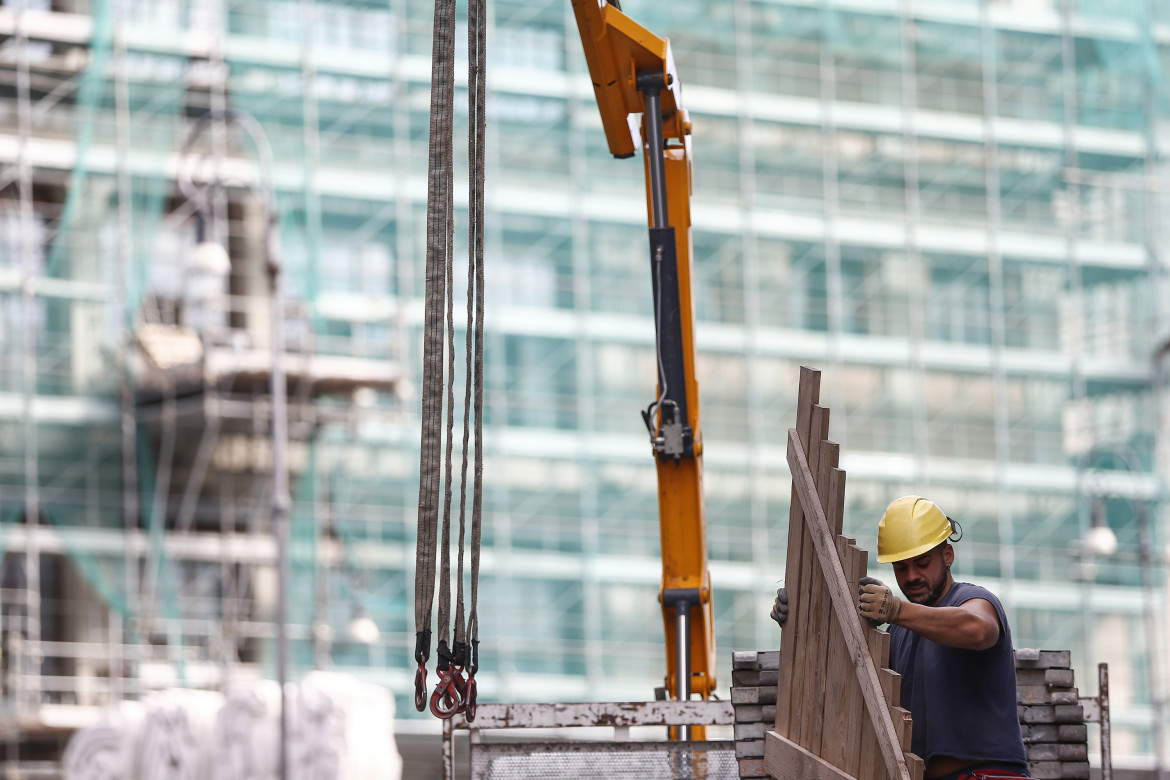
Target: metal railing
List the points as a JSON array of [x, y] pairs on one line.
[[615, 758]]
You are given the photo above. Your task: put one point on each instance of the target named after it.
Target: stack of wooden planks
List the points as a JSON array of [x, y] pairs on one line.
[[837, 708]]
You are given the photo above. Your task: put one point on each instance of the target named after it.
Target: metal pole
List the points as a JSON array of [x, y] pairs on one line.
[[29, 659], [1106, 729], [273, 259], [682, 670], [128, 422], [280, 492], [1153, 667], [651, 86], [448, 749]]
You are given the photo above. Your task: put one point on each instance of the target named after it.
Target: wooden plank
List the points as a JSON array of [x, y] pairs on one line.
[[821, 612], [846, 612], [872, 768], [823, 641], [834, 492], [785, 759], [811, 584], [916, 766], [839, 682], [892, 690], [854, 705], [808, 394], [891, 686], [902, 723]]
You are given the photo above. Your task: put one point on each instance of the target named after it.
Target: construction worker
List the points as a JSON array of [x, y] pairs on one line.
[[951, 643]]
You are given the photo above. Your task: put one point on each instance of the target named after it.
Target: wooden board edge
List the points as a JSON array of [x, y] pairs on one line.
[[808, 394], [784, 759]]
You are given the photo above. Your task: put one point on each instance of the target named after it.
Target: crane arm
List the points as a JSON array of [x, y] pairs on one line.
[[633, 73]]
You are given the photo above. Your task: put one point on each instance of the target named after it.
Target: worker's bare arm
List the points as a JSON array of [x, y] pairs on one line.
[[973, 625]]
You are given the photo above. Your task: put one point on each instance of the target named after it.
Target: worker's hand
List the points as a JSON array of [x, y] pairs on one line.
[[876, 601], [780, 608]]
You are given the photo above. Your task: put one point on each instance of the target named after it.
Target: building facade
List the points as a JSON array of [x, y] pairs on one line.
[[952, 208]]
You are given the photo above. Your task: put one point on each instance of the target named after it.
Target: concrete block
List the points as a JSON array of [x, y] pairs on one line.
[[765, 695], [752, 768], [768, 661], [1054, 678], [1045, 659], [1032, 694], [755, 713], [744, 659], [1045, 770], [754, 678], [751, 730], [1034, 733], [1043, 751], [1038, 713]]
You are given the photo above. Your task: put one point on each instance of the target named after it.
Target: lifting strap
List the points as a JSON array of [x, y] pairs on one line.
[[468, 638], [452, 693]]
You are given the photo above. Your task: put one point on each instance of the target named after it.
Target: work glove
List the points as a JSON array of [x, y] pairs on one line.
[[780, 608], [876, 601]]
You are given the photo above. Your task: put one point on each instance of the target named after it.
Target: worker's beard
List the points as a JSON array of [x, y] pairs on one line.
[[933, 593]]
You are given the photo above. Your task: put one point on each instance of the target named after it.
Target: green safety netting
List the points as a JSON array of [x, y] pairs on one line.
[[303, 546], [160, 573], [95, 568], [152, 142], [90, 93], [156, 104], [280, 99]]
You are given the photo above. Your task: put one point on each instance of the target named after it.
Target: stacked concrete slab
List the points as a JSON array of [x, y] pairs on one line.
[[753, 697], [1051, 716]]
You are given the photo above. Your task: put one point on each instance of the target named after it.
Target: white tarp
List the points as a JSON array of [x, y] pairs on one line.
[[339, 729], [107, 749]]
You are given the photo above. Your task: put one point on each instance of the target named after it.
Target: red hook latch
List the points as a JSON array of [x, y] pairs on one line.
[[449, 693]]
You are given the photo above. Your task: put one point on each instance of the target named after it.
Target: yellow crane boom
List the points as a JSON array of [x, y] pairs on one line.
[[633, 73]]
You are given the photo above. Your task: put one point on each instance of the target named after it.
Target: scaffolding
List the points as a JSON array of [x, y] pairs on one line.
[[954, 207]]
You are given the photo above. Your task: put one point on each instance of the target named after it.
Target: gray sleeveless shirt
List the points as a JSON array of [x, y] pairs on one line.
[[963, 701]]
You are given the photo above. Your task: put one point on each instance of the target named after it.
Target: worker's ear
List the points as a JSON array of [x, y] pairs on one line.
[[948, 555]]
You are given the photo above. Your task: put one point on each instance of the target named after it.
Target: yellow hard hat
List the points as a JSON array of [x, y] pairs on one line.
[[911, 526]]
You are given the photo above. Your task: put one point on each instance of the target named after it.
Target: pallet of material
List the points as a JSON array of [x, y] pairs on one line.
[[753, 698], [1052, 718]]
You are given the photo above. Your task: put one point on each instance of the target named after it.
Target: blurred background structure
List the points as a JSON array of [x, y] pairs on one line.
[[953, 208]]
